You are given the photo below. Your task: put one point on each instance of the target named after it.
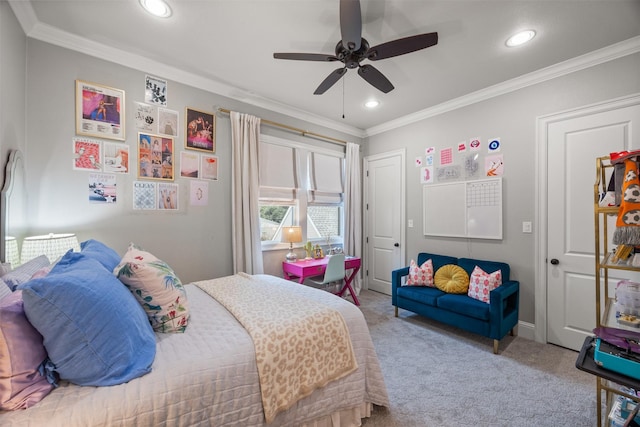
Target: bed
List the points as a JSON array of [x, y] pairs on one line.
[[208, 375]]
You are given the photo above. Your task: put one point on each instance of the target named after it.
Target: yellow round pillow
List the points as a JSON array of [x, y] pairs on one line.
[[452, 279]]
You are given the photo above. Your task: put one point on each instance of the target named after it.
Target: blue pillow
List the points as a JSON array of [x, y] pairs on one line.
[[101, 252], [94, 330]]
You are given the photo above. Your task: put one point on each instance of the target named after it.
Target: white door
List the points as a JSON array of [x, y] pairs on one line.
[[384, 211], [573, 145]]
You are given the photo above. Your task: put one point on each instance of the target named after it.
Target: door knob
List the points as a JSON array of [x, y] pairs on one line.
[[397, 245], [555, 261]]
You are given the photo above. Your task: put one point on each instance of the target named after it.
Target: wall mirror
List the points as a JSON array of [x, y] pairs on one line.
[[13, 203]]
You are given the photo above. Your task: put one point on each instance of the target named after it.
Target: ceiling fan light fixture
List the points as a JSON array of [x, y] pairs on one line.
[[372, 103], [158, 8], [520, 38]]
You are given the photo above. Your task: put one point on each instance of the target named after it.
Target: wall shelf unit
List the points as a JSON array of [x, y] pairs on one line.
[[608, 382]]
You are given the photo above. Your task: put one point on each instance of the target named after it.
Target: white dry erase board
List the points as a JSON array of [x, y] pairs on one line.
[[470, 209]]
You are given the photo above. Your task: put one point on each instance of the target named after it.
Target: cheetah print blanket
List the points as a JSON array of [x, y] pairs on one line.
[[300, 344]]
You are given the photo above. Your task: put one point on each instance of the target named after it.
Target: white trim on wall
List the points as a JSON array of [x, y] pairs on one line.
[[36, 30]]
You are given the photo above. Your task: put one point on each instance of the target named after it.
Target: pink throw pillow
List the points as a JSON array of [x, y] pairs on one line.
[[21, 353], [420, 276], [481, 283]]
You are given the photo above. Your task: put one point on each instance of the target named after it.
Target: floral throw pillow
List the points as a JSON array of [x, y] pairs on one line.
[[156, 287], [422, 275], [481, 283]]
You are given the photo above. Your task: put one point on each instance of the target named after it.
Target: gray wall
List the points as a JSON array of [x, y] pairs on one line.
[[13, 47], [512, 117], [195, 241]]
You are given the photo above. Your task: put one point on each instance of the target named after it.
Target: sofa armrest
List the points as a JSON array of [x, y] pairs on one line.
[[396, 282], [504, 301]]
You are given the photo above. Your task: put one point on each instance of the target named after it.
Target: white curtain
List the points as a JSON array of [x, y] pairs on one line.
[[353, 208], [245, 191]]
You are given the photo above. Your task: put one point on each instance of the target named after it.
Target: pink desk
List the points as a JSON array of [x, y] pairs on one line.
[[303, 269]]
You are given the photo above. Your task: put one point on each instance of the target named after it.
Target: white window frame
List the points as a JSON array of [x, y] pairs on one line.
[[301, 198]]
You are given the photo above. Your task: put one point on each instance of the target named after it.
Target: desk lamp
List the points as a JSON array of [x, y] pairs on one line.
[[291, 235]]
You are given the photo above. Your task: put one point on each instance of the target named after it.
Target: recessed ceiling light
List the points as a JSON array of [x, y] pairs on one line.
[[520, 38], [372, 104], [157, 8]]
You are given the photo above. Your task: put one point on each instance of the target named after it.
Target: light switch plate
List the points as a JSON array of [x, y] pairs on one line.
[[410, 223], [526, 226]]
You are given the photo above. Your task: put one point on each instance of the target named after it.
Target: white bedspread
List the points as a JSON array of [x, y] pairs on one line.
[[208, 377]]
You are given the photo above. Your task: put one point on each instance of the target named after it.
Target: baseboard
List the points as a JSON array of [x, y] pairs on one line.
[[526, 330]]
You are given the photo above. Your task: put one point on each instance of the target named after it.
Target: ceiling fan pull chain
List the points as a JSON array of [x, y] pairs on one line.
[[343, 98]]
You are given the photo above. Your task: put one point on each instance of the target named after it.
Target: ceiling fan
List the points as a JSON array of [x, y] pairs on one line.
[[353, 49]]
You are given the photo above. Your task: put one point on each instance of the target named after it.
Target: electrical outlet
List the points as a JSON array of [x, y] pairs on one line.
[[526, 226]]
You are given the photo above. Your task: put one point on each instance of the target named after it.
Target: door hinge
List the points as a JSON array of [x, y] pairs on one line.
[[367, 239], [367, 273]]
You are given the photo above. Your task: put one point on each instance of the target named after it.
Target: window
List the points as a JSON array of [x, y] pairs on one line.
[[300, 185]]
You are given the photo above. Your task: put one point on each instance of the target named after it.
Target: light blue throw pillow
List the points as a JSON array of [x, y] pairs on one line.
[[100, 252], [95, 332]]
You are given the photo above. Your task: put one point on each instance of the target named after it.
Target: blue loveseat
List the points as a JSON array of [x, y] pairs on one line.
[[493, 320]]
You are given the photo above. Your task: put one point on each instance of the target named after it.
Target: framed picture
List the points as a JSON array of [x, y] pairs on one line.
[[209, 167], [155, 157], [99, 111], [200, 131]]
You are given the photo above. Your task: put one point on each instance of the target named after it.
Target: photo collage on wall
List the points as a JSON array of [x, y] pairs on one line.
[[100, 148], [465, 161]]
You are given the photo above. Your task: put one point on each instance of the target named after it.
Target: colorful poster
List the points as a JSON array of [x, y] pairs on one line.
[[493, 145], [209, 167], [167, 196], [144, 195], [102, 188], [87, 154], [446, 156], [474, 144], [426, 175], [494, 165]]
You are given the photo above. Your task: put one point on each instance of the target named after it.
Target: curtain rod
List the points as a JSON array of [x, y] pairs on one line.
[[293, 129]]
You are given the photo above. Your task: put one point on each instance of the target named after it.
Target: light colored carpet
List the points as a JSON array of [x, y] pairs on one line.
[[437, 375]]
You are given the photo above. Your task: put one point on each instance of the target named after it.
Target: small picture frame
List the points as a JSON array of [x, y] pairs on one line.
[[200, 131], [99, 111], [209, 167], [155, 157]]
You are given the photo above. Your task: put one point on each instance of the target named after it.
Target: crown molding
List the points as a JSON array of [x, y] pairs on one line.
[[609, 53], [46, 33], [35, 29]]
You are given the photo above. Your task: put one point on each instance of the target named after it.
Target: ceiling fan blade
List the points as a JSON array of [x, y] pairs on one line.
[[350, 24], [306, 56], [375, 78], [330, 80], [402, 46]]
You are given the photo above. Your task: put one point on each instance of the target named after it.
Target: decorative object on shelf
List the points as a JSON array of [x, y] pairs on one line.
[[628, 223], [317, 252], [292, 235], [12, 255], [52, 245], [308, 247]]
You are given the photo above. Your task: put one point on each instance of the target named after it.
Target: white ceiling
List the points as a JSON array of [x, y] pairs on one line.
[[227, 46]]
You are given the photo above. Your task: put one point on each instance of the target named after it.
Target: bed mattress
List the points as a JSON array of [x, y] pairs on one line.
[[208, 377]]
